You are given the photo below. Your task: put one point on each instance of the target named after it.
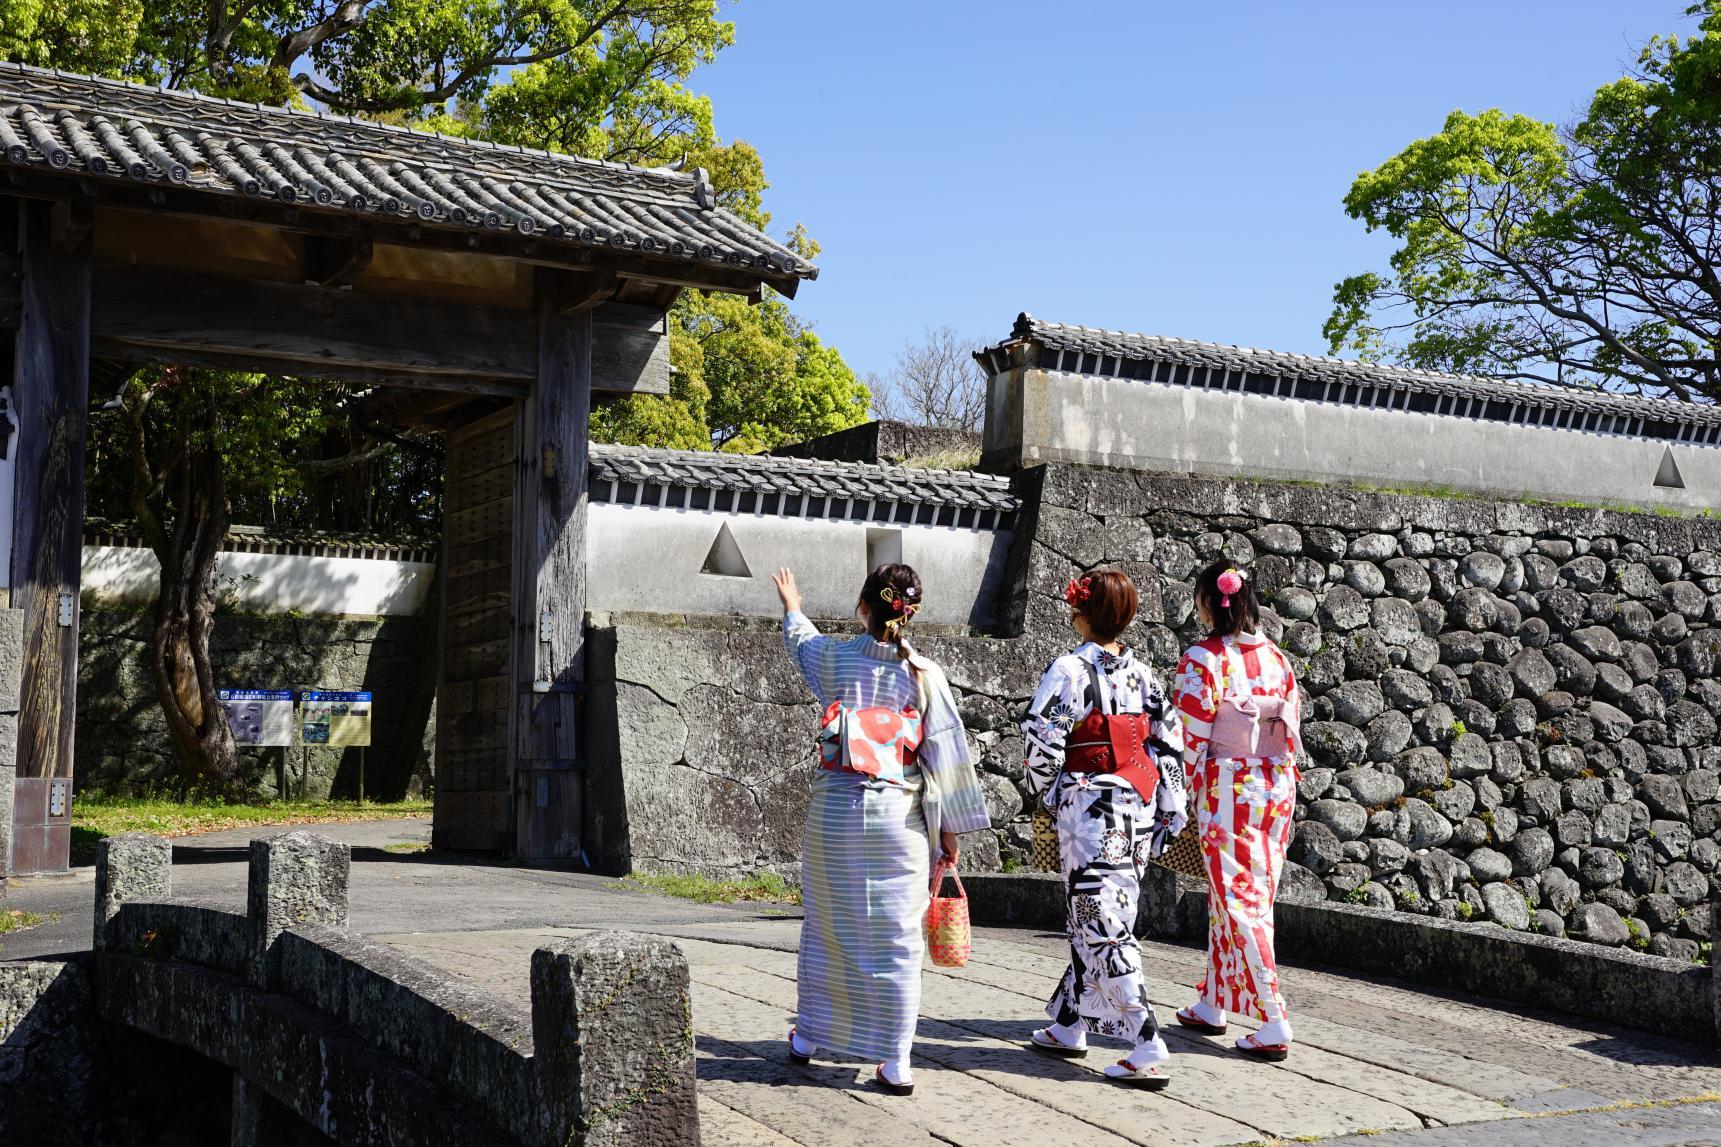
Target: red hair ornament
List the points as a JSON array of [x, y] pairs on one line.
[[1078, 591]]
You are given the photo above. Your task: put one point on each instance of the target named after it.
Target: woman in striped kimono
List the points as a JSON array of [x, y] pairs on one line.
[[1104, 754], [1240, 708], [896, 775]]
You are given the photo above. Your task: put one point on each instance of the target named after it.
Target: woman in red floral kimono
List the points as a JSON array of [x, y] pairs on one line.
[[1239, 702]]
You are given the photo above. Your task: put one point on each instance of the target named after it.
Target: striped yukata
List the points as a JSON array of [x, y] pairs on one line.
[[1106, 833], [866, 856], [1244, 808]]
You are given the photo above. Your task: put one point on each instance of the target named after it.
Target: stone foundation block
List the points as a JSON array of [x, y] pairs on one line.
[[130, 866], [612, 1035], [296, 878]]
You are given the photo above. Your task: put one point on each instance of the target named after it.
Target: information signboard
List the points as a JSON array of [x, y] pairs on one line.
[[335, 718], [259, 716]]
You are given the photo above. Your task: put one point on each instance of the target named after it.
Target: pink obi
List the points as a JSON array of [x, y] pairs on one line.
[[875, 742], [1255, 727]]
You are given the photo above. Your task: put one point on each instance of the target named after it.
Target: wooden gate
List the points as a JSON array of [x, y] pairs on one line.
[[474, 809]]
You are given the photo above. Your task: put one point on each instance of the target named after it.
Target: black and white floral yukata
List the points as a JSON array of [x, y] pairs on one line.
[[1106, 833]]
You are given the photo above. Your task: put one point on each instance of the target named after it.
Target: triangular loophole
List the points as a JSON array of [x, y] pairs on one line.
[[725, 558], [1668, 475]]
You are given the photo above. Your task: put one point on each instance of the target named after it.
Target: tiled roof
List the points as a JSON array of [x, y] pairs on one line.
[[1217, 366], [267, 540], [754, 473], [118, 132]]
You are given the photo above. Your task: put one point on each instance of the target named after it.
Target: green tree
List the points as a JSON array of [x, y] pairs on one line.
[[1586, 255]]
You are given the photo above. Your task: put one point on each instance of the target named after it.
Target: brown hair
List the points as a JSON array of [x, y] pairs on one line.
[[892, 595], [1110, 603], [1243, 614]]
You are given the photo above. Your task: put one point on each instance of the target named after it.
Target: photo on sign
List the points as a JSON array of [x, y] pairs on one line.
[[335, 719], [259, 717]]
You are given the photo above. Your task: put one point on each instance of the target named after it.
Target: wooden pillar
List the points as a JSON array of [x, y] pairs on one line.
[[550, 579], [50, 389]]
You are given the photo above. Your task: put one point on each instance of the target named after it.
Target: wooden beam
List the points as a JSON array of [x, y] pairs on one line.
[[11, 281], [51, 394], [310, 220], [630, 349], [550, 584], [306, 330], [335, 262], [581, 291]]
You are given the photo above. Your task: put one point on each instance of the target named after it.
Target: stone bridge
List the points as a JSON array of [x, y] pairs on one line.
[[297, 1031]]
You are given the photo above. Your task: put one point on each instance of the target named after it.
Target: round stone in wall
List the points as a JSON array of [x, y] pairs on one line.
[[1532, 673], [1346, 820], [1506, 906], [1344, 609], [1373, 547], [1473, 608], [1586, 573], [1278, 538], [1417, 826], [1295, 602], [1371, 787], [1488, 865], [1388, 735], [1598, 924], [1482, 569], [1532, 851], [1406, 578], [1357, 702]]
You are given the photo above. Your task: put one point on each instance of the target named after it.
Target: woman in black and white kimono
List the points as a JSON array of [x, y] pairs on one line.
[[1104, 755]]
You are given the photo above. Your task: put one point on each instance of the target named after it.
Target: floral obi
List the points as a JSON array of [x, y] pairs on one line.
[[1114, 743], [874, 742]]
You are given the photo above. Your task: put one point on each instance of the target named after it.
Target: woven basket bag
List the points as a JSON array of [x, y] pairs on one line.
[[949, 939]]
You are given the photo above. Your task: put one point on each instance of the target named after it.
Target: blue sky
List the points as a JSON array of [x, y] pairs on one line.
[[1175, 168]]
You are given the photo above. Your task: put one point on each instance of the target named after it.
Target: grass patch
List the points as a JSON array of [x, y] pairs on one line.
[[761, 887], [96, 817], [959, 458], [407, 847], [15, 920]]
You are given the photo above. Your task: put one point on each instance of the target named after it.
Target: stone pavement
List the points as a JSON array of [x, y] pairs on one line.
[[1409, 1066]]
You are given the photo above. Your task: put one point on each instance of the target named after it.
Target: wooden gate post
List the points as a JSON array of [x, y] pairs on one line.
[[550, 577], [50, 388]]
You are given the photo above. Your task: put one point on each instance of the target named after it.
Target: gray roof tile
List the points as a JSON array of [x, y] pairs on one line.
[[1490, 397], [767, 474], [108, 130]]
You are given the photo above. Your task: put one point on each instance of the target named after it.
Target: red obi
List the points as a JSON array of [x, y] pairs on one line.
[[876, 742], [1115, 744]]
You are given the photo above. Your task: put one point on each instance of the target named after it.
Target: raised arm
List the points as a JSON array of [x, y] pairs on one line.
[[1056, 708], [800, 636]]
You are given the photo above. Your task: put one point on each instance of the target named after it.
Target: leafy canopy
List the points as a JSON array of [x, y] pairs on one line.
[[1587, 255]]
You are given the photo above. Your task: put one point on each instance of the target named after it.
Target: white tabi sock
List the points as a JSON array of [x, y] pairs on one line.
[[1276, 1032], [1207, 1013], [1150, 1052], [1075, 1035], [897, 1071]]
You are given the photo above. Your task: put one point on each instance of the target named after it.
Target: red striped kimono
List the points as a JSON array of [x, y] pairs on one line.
[[1244, 808]]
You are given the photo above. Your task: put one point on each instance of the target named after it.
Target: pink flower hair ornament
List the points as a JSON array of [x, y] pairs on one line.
[[1230, 582]]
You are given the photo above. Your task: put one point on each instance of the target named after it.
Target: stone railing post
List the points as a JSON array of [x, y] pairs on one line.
[[1715, 962], [130, 866], [612, 1035], [11, 690], [296, 878]]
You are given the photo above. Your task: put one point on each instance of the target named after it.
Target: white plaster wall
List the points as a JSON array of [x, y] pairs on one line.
[[649, 559], [1055, 416], [269, 583]]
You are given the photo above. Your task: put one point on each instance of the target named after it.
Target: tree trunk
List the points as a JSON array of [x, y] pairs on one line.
[[185, 616]]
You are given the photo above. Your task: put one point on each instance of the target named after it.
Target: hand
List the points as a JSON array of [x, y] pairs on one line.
[[787, 590], [950, 849]]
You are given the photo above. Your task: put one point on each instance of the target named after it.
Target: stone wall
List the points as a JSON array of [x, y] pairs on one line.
[[701, 756], [122, 743], [1510, 709]]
